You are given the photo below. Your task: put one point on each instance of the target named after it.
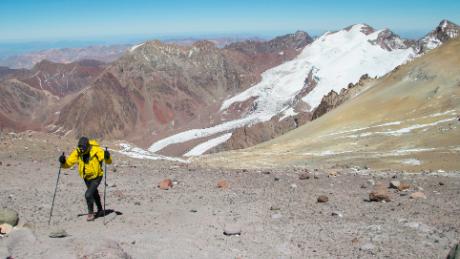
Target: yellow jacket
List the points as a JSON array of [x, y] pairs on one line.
[[93, 168]]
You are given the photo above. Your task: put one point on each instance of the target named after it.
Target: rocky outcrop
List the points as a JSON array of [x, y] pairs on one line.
[[254, 134], [334, 99]]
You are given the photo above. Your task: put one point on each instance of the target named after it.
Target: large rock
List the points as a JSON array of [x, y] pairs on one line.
[[418, 195], [222, 184], [9, 216], [395, 184], [166, 184], [5, 228], [380, 193], [323, 199], [232, 229]]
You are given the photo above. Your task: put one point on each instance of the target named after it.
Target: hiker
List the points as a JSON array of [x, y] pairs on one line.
[[89, 156]]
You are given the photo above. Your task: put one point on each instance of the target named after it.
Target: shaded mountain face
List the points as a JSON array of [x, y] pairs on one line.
[[167, 88]]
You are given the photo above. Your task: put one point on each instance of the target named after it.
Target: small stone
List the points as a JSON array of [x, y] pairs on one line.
[[440, 183], [266, 172], [138, 203], [332, 174], [276, 179], [418, 195], [395, 184], [336, 213], [367, 247], [277, 216], [58, 233], [403, 187], [371, 182], [441, 171], [166, 184], [5, 228], [222, 184], [304, 176], [355, 241], [293, 186], [275, 208], [232, 230], [9, 216], [322, 199], [8, 164], [193, 211]]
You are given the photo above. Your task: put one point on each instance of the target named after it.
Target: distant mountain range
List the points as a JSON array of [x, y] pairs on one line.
[[182, 99], [102, 53]]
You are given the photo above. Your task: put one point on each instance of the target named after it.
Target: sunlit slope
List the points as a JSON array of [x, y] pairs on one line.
[[408, 120]]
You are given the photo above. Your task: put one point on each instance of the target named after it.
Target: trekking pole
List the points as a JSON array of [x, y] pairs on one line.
[[105, 182], [54, 195]]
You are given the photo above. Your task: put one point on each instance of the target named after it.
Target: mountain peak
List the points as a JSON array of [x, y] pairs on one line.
[[443, 32]]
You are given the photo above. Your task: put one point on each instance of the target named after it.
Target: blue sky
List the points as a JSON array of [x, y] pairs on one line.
[[27, 20]]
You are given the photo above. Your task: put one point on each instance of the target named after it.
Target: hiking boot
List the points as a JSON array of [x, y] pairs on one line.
[[90, 217], [99, 213]]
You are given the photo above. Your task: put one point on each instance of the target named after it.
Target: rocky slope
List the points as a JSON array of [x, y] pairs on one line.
[[165, 88], [275, 211], [409, 120], [31, 99]]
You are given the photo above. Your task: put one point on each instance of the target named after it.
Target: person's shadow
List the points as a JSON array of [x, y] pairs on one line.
[[101, 214]]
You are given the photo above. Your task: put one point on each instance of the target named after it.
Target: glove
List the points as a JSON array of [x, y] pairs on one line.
[[106, 154], [62, 159]]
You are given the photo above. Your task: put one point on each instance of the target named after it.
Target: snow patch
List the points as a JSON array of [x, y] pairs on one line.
[[288, 113], [140, 153], [411, 161], [203, 147], [133, 48]]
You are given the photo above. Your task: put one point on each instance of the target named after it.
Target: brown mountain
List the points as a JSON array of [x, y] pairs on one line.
[[157, 89]]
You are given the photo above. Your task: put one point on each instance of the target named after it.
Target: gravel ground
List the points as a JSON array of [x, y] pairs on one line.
[[277, 213]]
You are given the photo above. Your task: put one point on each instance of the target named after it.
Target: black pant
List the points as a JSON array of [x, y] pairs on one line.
[[92, 195]]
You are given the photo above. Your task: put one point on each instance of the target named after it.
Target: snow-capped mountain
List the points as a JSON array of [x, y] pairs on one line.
[[331, 62], [446, 30]]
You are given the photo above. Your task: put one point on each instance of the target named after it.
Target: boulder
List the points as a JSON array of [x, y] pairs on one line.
[[323, 199], [395, 184], [232, 229], [379, 194], [9, 216], [58, 233], [403, 186], [222, 184], [5, 228], [166, 184], [418, 195], [304, 176]]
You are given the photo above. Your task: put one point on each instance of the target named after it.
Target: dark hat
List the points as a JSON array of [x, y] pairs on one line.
[[83, 144]]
